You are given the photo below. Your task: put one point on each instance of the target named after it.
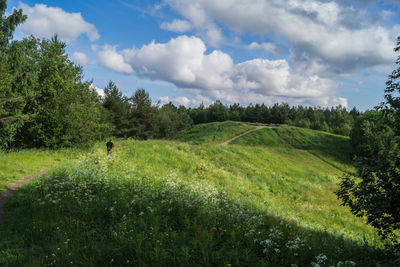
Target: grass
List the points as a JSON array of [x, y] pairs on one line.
[[16, 165], [215, 132], [331, 148], [171, 203]]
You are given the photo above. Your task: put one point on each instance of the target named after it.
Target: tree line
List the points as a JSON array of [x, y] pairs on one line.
[[137, 117]]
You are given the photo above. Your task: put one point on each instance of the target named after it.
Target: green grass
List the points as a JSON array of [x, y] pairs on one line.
[[16, 165], [169, 203], [215, 132], [331, 148]]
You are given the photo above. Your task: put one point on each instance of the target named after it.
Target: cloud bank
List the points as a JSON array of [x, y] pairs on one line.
[[326, 38], [184, 62]]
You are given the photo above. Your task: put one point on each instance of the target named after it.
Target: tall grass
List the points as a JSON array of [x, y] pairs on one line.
[[90, 215]]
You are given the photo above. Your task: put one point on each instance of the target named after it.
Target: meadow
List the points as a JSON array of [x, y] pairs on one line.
[[266, 199]]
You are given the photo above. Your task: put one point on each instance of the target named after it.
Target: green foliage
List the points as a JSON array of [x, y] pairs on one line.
[[373, 191], [217, 112], [169, 120], [46, 103], [392, 90], [141, 115], [378, 157], [119, 109], [8, 25], [43, 100], [11, 105]]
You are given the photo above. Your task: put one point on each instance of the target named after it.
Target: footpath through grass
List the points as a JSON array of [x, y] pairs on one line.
[[168, 203], [214, 132], [15, 165]]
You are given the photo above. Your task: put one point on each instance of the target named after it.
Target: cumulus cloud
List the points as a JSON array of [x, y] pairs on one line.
[[111, 59], [187, 102], [269, 47], [341, 39], [214, 36], [176, 25], [81, 58], [184, 62], [44, 21]]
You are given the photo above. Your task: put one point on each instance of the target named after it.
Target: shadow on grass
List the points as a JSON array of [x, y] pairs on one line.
[[90, 221]]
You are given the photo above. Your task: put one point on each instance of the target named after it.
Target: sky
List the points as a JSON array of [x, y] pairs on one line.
[[303, 52]]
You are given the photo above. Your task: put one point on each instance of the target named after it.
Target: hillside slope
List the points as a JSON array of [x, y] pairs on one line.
[[214, 132], [173, 203], [334, 149]]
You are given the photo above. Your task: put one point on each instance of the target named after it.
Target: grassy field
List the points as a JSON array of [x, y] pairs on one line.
[[267, 199], [16, 165]]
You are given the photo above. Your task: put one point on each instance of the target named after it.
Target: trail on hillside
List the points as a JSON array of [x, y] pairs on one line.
[[12, 189], [249, 131]]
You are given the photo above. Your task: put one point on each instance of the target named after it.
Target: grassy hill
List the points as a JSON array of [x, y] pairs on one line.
[[214, 132], [267, 199]]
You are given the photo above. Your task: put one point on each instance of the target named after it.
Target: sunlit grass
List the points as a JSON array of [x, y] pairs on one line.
[[16, 165]]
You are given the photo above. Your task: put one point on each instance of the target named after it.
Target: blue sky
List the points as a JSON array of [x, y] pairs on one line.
[[308, 52]]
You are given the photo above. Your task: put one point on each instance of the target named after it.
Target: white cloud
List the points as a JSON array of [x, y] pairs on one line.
[[81, 58], [44, 21], [214, 36], [99, 91], [182, 101], [176, 26], [111, 59], [187, 102], [183, 61], [341, 38], [269, 47]]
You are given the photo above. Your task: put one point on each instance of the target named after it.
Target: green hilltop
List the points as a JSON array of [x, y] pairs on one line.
[[266, 199]]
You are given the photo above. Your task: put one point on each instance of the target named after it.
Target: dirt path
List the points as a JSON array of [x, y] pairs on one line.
[[249, 131], [12, 189]]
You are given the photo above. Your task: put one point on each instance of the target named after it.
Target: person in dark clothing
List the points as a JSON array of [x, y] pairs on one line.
[[110, 146]]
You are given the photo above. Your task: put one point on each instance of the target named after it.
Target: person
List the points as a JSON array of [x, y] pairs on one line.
[[110, 146]]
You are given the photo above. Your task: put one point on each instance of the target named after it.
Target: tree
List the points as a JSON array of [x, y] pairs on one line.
[[393, 84], [170, 119], [373, 190], [218, 112], [11, 105], [119, 109], [8, 25], [141, 115]]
